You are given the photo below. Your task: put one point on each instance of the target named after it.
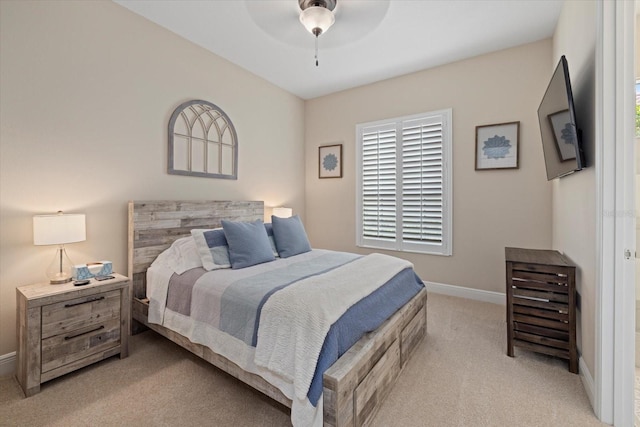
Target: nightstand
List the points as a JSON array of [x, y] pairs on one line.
[[541, 303], [62, 328]]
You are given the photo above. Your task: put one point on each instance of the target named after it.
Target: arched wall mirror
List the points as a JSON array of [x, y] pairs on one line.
[[202, 142]]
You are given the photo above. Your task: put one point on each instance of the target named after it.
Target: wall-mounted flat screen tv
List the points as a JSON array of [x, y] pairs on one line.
[[561, 139]]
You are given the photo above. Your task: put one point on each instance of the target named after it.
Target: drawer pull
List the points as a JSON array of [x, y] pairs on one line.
[[70, 337], [83, 302]]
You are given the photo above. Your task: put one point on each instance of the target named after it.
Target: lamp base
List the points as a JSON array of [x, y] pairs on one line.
[[60, 270], [60, 281]]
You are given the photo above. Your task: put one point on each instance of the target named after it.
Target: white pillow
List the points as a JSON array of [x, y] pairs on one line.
[[181, 256], [212, 247]]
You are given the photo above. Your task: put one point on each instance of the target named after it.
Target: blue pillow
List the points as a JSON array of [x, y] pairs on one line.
[[248, 243], [290, 237], [212, 248]]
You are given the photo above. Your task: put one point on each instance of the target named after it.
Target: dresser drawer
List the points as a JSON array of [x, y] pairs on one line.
[[69, 347], [543, 312], [519, 267], [80, 313]]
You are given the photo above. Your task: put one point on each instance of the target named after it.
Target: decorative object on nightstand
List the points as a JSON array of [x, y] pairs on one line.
[[541, 303], [63, 328], [282, 212], [91, 270], [59, 229]]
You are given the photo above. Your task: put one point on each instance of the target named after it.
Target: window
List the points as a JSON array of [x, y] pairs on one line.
[[404, 183]]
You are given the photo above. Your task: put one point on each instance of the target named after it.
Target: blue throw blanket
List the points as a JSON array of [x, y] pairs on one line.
[[365, 316]]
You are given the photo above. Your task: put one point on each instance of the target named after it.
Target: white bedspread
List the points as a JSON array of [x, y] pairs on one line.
[[271, 359], [295, 321], [303, 413]]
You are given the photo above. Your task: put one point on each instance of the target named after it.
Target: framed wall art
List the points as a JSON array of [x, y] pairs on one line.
[[330, 161], [497, 146], [202, 142]]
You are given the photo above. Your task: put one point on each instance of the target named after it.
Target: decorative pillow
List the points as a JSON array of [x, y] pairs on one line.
[[212, 247], [248, 243], [290, 237], [181, 256]]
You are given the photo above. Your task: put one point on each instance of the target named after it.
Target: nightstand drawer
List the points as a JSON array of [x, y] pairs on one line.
[[66, 348], [80, 313]]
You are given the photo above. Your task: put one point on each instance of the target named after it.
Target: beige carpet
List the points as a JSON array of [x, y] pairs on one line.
[[459, 376]]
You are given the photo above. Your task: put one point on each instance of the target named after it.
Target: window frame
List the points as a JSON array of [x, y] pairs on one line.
[[445, 248]]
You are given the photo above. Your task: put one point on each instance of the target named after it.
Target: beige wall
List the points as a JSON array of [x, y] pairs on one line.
[[491, 209], [574, 196], [87, 91]]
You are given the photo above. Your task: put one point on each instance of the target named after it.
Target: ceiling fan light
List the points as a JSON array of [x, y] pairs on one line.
[[317, 17]]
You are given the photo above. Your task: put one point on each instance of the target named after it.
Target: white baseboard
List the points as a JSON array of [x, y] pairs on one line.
[[469, 293], [587, 380], [8, 364]]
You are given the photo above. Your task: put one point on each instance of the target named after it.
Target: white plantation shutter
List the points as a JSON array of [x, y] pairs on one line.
[[422, 181], [379, 181], [404, 174]]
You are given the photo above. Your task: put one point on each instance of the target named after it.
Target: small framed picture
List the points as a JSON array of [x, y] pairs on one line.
[[563, 134], [330, 161], [497, 146]]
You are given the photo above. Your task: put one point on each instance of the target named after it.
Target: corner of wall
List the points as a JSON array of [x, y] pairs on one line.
[[8, 364]]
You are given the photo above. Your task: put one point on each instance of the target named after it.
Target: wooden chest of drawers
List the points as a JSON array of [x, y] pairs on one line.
[[62, 328], [541, 299]]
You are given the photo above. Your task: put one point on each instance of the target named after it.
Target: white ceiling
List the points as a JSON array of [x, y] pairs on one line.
[[371, 40]]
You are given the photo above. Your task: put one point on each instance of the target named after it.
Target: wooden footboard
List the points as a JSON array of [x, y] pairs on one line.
[[358, 382], [353, 387]]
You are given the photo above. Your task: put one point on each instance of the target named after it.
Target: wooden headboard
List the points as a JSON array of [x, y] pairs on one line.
[[155, 225]]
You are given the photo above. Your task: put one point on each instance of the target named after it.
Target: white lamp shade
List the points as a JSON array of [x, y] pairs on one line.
[[58, 229], [317, 17], [282, 212]]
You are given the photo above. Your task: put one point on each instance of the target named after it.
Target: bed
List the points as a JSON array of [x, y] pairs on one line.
[[352, 388]]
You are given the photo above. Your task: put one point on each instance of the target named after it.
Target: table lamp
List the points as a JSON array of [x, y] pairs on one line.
[[59, 229], [282, 212]]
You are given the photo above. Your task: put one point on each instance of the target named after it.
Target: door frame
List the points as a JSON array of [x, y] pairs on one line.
[[615, 193]]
